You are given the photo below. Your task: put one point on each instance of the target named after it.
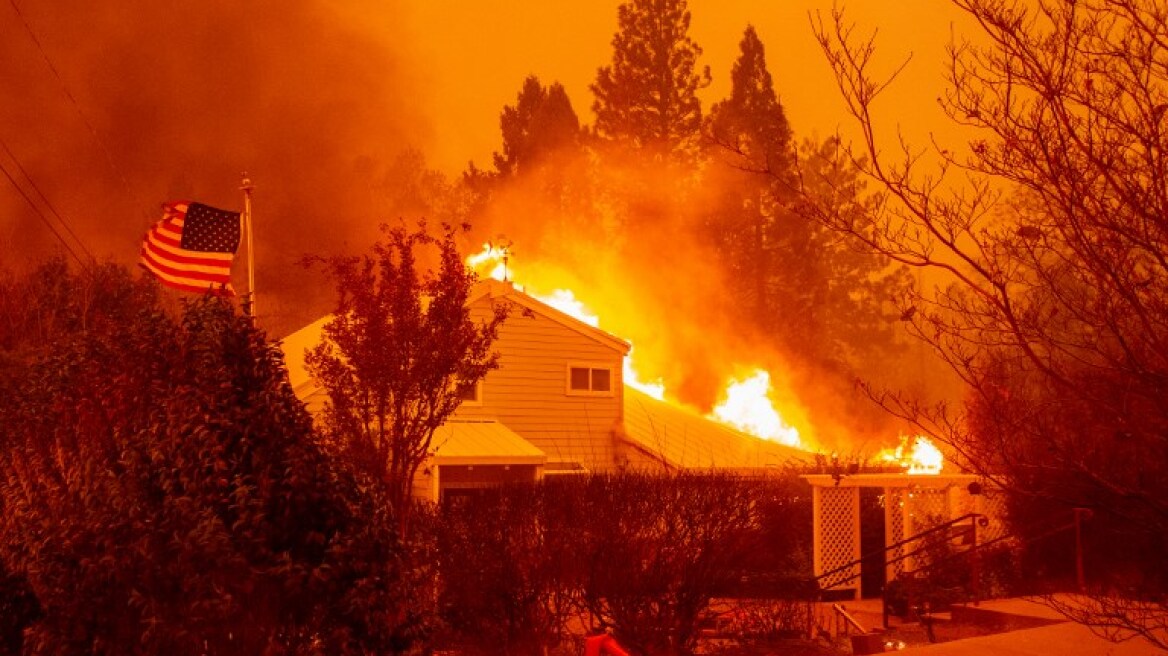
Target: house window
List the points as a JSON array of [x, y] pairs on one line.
[[589, 379], [470, 393]]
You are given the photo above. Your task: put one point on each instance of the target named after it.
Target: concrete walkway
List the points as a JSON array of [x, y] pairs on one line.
[[1062, 639]]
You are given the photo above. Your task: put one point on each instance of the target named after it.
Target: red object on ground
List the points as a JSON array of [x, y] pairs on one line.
[[603, 645]]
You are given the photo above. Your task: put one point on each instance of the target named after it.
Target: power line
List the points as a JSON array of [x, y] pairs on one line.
[[68, 94], [45, 200], [42, 216]]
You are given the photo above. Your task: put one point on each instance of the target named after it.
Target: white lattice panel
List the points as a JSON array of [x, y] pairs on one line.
[[894, 512], [927, 508], [992, 504], [838, 532]]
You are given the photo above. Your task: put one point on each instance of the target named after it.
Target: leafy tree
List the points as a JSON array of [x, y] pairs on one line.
[[1050, 237], [50, 303], [400, 344], [644, 554], [163, 492], [647, 98]]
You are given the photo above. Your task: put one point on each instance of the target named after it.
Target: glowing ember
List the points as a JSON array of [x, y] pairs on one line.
[[922, 457], [748, 408]]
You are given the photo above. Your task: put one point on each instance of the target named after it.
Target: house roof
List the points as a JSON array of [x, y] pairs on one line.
[[294, 346], [491, 288], [482, 443], [309, 336], [682, 438]]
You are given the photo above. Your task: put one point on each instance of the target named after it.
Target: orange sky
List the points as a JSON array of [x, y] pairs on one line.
[[482, 51], [116, 107], [143, 102]]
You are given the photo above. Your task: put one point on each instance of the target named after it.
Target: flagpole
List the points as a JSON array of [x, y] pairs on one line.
[[246, 187]]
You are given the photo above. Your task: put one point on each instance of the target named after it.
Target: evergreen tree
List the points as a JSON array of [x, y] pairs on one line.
[[752, 121], [540, 123], [837, 299], [543, 167], [751, 229], [801, 282], [647, 98]]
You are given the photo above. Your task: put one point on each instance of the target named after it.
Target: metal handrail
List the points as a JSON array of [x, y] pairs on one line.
[[974, 518], [976, 549]]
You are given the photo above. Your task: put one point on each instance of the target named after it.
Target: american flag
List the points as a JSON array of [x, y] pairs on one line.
[[192, 247]]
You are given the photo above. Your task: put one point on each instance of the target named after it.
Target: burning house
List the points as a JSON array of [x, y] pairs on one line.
[[558, 404]]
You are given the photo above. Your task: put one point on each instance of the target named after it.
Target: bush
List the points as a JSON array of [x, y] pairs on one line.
[[164, 492], [643, 554]]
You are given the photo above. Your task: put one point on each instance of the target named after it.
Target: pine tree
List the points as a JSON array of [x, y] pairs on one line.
[[750, 226], [799, 281], [647, 98], [752, 120], [540, 123]]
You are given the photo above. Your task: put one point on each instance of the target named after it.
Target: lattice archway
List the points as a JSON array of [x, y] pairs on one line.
[[912, 503]]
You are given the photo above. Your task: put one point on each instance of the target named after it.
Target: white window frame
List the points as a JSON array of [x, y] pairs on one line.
[[478, 397], [612, 379]]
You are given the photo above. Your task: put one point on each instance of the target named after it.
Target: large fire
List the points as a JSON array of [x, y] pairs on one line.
[[747, 407], [744, 404], [919, 457], [565, 301]]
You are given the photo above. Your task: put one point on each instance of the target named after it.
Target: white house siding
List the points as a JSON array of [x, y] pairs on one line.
[[529, 391]]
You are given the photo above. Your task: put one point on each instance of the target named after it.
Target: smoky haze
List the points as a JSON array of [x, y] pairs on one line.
[[123, 106], [649, 273], [326, 105]]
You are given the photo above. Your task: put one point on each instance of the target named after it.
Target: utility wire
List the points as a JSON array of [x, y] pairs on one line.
[[46, 201], [68, 94], [42, 216]]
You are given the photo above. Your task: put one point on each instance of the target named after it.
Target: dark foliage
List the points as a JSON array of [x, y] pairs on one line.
[[647, 98], [163, 492], [1047, 235], [643, 555], [398, 346]]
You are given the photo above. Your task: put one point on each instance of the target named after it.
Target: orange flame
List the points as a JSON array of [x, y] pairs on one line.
[[565, 301], [493, 259], [655, 389], [921, 457], [747, 406]]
